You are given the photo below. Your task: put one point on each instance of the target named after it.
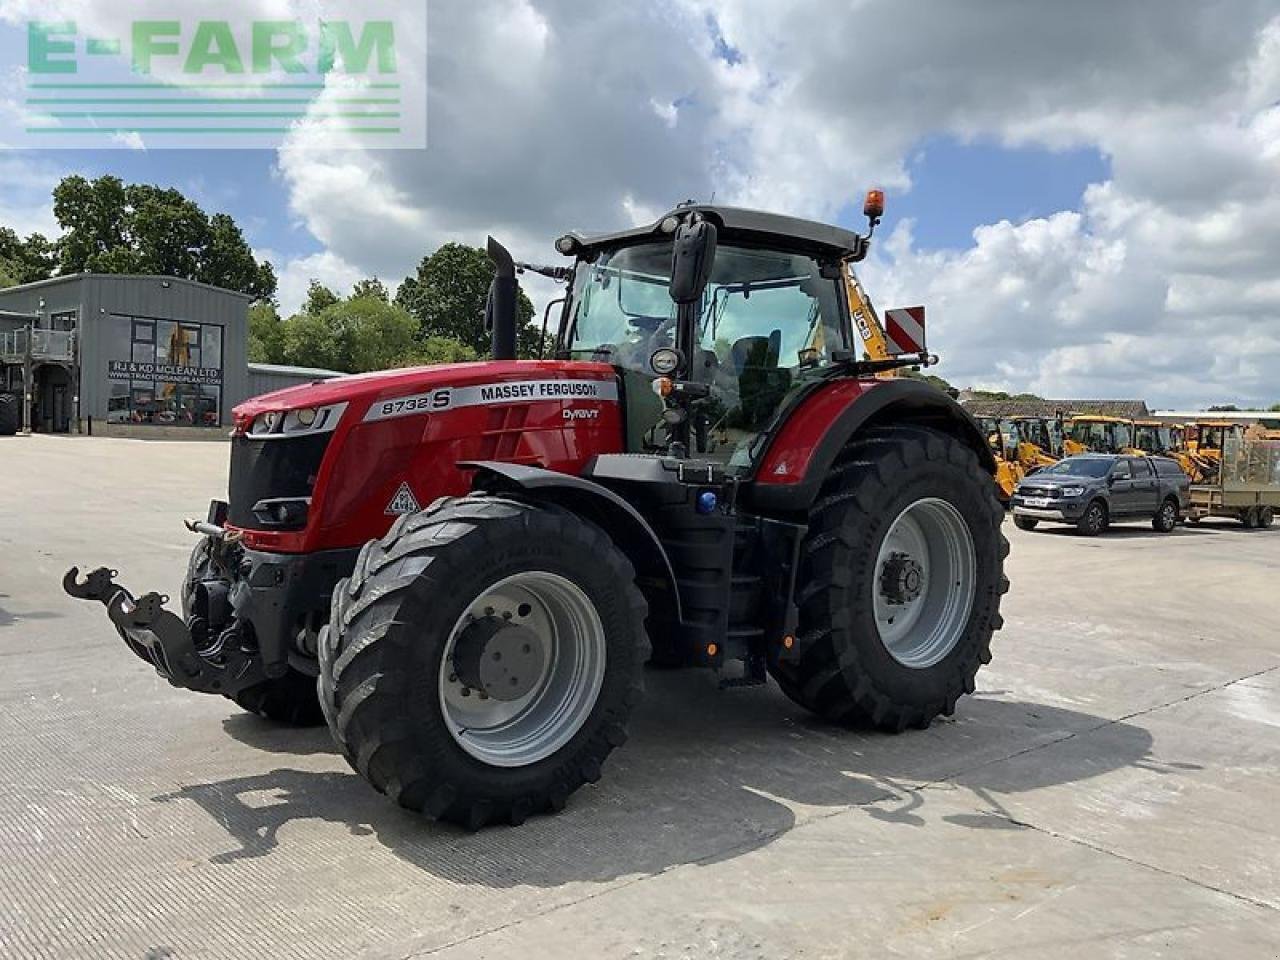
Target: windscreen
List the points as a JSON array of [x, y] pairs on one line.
[[1079, 468]]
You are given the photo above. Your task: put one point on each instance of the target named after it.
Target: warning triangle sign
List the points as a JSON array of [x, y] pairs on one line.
[[403, 502]]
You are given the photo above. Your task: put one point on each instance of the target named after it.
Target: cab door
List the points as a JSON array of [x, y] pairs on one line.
[[1146, 491]]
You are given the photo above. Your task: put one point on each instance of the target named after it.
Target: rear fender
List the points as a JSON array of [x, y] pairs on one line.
[[625, 525], [805, 446]]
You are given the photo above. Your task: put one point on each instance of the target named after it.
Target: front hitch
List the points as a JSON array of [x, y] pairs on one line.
[[162, 639]]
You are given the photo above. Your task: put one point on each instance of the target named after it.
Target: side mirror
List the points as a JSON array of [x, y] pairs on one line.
[[692, 260]]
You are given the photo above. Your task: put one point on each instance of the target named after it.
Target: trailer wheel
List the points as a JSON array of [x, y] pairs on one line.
[[1266, 517], [484, 658], [1249, 518], [1166, 518], [900, 582], [9, 415], [290, 700]]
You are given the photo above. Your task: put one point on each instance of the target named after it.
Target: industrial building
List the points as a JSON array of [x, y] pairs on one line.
[[121, 354]]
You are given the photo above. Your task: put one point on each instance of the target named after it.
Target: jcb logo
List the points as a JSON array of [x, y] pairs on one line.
[[582, 415]]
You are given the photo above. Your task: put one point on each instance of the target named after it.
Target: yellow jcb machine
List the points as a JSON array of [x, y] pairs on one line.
[[1094, 433], [1205, 441], [1039, 442], [1005, 443]]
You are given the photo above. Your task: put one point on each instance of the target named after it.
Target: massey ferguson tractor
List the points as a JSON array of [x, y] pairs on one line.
[[472, 562]]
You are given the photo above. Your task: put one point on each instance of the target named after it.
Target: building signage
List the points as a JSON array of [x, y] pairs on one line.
[[164, 372]]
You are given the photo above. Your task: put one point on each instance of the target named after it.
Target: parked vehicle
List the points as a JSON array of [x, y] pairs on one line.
[[1091, 491], [474, 559], [1245, 487]]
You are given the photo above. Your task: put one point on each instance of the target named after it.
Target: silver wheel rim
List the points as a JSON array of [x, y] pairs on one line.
[[571, 663], [925, 582]]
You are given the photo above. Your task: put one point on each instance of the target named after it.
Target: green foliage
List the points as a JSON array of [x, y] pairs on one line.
[[930, 379], [266, 334], [354, 336], [25, 261], [113, 227], [371, 287], [435, 350], [447, 297], [1274, 408], [319, 298], [1224, 408]]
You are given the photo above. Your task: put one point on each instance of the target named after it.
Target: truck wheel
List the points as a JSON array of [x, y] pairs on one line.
[[1025, 523], [1266, 517], [1166, 518], [900, 582], [484, 658], [9, 419], [290, 700], [1094, 520]]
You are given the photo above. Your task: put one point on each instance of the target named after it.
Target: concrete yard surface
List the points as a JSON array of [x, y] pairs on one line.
[[1112, 790]]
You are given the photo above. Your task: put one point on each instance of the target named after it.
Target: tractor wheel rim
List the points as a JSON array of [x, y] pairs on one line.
[[567, 652], [920, 627]]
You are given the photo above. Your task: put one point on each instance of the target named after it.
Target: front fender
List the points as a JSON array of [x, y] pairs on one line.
[[801, 451], [625, 525]]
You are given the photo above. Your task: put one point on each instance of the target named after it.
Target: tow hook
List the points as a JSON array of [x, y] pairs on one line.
[[160, 637], [206, 529]]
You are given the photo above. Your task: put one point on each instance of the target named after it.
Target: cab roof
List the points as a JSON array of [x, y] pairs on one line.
[[751, 226]]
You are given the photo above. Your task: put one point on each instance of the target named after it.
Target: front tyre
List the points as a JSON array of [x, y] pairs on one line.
[[1094, 521], [1025, 523], [900, 582], [483, 659]]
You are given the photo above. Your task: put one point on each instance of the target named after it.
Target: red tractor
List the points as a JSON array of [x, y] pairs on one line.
[[472, 562]]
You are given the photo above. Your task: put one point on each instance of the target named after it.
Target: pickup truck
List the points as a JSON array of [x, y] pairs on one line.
[[1091, 491]]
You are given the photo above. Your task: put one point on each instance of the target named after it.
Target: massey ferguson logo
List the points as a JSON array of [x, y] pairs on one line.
[[582, 414]]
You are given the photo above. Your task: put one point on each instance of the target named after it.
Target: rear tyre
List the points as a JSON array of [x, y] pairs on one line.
[[1166, 518], [290, 700], [1025, 523], [1094, 520], [1249, 518], [9, 419], [483, 659], [900, 582]]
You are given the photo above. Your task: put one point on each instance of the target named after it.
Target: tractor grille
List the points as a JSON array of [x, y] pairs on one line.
[[270, 469]]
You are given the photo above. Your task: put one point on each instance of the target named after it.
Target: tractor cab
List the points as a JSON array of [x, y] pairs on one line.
[[707, 369]]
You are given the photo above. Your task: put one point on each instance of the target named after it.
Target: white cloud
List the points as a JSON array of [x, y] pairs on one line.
[[295, 275]]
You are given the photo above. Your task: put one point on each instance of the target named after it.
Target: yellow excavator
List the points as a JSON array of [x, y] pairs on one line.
[[1039, 442], [1094, 433], [1205, 441], [1006, 442]]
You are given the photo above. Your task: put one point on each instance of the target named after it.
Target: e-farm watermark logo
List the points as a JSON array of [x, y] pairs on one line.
[[355, 75]]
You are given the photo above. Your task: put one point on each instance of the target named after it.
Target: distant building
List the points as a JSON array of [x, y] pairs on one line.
[[131, 352], [1125, 409]]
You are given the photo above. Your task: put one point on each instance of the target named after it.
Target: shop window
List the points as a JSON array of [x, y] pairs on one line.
[[164, 372]]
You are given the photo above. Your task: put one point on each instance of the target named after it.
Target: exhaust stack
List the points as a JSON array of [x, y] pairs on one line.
[[500, 310]]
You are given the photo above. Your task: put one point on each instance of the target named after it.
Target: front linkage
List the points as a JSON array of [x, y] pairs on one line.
[[162, 639]]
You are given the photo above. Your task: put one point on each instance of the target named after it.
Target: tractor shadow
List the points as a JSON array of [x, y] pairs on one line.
[[706, 777]]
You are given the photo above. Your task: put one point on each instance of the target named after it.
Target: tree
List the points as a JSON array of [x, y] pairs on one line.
[[1275, 408], [25, 261], [1224, 408], [447, 297], [435, 350], [353, 335], [111, 227], [266, 334], [319, 298], [371, 287]]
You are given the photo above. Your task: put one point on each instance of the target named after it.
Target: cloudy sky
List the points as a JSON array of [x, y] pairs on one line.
[[1085, 195]]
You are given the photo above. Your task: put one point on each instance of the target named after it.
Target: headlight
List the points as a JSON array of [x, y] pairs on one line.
[[665, 361], [276, 424], [1072, 491]]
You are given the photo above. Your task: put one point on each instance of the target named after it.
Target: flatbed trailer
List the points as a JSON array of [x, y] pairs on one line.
[[1247, 487]]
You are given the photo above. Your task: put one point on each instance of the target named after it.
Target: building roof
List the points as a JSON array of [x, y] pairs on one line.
[[745, 224], [69, 277], [1035, 407]]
